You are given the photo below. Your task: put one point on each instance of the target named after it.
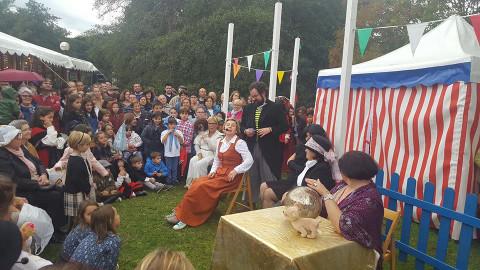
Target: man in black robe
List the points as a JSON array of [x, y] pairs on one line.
[[262, 123]]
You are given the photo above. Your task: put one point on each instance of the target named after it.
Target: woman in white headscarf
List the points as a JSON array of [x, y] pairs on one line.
[[29, 175]]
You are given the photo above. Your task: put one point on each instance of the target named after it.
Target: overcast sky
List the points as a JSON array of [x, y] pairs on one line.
[[76, 16]]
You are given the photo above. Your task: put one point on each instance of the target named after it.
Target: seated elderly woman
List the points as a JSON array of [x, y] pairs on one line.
[[232, 159], [354, 206], [24, 127], [297, 161], [29, 175], [319, 156]]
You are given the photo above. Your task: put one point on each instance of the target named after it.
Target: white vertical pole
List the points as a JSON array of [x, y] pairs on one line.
[[345, 80], [228, 68], [293, 85], [277, 24]]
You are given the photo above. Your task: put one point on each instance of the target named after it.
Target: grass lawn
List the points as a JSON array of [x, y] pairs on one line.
[[143, 229]]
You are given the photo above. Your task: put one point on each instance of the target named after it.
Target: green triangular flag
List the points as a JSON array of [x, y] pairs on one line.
[[266, 57], [363, 38]]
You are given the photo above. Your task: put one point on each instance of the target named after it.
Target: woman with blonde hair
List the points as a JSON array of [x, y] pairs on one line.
[[205, 144], [165, 260], [231, 161], [79, 179]]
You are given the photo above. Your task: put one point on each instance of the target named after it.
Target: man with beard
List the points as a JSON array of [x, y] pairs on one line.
[[137, 90], [263, 122], [169, 92]]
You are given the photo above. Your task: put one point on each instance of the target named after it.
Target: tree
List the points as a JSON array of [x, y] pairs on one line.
[[183, 41], [32, 23]]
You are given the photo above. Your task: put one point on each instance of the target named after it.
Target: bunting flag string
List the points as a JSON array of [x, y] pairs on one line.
[[251, 55], [258, 72], [415, 32], [428, 22], [264, 70]]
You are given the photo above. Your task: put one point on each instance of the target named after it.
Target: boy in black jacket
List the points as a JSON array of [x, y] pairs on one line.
[[151, 135]]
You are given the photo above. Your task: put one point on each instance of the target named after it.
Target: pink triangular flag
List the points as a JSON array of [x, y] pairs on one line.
[[476, 25]]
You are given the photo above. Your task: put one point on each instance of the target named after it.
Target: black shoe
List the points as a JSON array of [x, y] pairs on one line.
[[141, 193]]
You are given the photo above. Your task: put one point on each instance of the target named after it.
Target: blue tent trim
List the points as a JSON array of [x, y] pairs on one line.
[[406, 78]]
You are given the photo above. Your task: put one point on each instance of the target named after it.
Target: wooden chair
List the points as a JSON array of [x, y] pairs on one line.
[[244, 186], [389, 252]]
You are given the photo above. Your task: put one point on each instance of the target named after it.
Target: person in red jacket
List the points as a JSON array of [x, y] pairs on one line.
[[47, 98]]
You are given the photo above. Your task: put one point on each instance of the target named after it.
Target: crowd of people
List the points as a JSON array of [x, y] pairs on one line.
[[73, 153]]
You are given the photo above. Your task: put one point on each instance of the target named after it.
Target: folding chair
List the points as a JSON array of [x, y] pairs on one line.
[[389, 252], [243, 186]]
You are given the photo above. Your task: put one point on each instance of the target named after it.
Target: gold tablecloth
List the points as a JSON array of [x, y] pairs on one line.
[[263, 239]]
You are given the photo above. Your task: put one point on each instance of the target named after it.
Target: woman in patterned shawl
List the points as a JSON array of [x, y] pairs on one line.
[[354, 205]]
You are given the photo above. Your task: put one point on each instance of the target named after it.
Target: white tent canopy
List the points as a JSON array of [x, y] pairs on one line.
[[452, 43], [13, 45]]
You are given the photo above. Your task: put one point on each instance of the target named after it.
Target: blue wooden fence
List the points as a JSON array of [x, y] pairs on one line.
[[446, 215]]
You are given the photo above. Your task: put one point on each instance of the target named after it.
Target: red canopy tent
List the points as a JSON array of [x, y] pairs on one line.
[[13, 75]]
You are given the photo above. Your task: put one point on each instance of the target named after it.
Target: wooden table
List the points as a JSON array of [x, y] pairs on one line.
[[263, 239]]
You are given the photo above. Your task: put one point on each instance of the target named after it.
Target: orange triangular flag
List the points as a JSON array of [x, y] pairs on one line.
[[236, 67], [280, 76]]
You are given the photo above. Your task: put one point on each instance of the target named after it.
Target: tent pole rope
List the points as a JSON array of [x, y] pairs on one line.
[[53, 71]]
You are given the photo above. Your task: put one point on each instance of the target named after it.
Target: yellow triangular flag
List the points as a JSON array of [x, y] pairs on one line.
[[280, 76], [236, 69]]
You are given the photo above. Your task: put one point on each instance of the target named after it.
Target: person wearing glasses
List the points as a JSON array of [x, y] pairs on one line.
[[27, 107]]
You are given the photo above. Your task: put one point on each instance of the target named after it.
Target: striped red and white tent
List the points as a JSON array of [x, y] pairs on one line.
[[417, 115]]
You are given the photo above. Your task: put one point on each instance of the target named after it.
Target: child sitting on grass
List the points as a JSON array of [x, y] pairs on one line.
[[81, 230], [101, 247], [124, 183], [156, 172], [105, 186], [138, 174]]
